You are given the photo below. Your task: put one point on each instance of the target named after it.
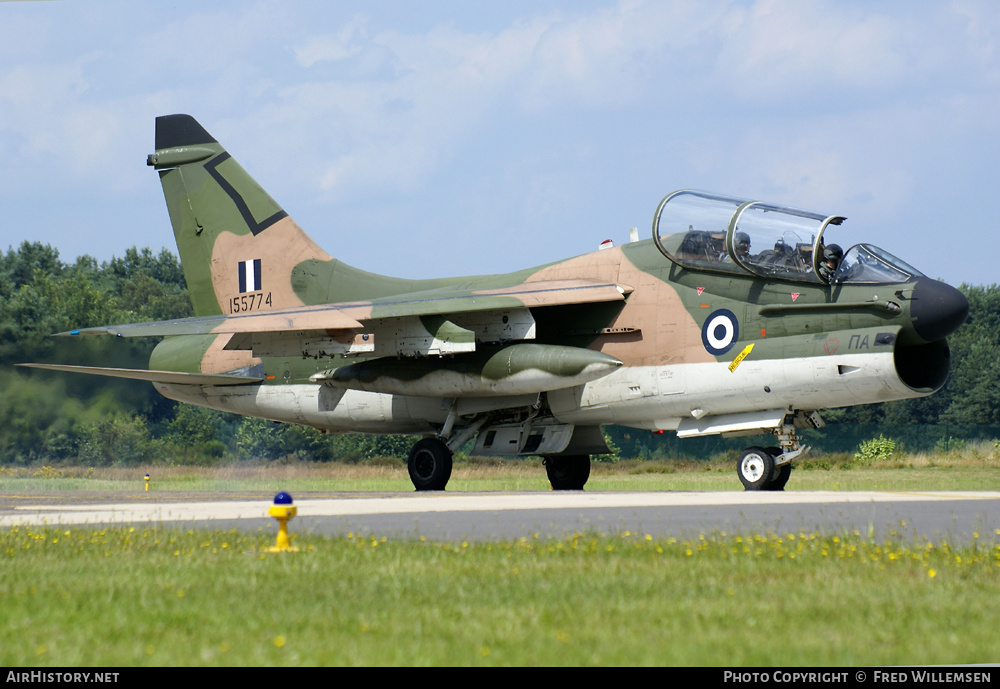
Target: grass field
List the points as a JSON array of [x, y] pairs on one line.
[[143, 595]]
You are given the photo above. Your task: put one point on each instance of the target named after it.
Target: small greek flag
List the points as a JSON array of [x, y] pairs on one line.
[[249, 272]]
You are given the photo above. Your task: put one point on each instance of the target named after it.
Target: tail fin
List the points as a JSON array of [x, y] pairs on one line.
[[238, 247]]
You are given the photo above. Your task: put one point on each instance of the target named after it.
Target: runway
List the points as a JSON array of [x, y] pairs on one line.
[[953, 516]]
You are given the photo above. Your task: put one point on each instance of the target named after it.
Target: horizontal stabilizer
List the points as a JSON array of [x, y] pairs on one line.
[[171, 377]]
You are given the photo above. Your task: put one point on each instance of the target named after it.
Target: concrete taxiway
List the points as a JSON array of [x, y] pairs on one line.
[[955, 516]]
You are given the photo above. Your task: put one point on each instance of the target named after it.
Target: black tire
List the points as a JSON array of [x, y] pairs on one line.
[[429, 464], [755, 467], [780, 478], [781, 472], [567, 473]]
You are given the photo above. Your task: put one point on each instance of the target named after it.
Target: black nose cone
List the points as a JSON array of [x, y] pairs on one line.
[[937, 309]]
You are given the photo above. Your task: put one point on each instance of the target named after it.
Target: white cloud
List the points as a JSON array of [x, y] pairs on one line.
[[553, 109], [332, 47]]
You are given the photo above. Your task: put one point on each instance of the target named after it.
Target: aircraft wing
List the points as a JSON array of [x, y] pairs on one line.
[[446, 320], [327, 317], [172, 377], [352, 315]]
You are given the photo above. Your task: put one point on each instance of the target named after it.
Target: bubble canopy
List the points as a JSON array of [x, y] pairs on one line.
[[725, 234]]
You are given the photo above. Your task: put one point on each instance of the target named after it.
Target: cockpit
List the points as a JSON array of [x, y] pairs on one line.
[[703, 231]]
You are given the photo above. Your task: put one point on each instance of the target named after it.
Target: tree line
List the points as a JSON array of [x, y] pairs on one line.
[[68, 418]]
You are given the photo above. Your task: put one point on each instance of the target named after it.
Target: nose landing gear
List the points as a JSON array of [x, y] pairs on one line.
[[770, 468]]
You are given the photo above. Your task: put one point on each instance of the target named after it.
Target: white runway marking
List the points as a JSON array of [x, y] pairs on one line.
[[132, 513]]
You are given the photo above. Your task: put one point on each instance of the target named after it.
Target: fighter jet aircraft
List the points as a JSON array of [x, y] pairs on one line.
[[737, 317]]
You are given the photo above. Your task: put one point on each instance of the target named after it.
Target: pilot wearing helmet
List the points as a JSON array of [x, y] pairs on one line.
[[741, 243], [828, 265]]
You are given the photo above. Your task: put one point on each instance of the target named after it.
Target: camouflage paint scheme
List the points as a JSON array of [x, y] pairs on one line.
[[632, 335]]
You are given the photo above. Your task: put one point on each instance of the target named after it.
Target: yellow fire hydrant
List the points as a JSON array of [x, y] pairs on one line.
[[147, 482], [282, 510]]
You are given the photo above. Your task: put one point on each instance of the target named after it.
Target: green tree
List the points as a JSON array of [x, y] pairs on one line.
[[117, 440]]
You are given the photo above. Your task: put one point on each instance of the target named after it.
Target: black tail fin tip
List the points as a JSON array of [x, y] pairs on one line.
[[180, 130]]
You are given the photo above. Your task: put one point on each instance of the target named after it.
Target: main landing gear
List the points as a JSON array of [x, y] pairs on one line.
[[567, 473], [429, 464], [430, 459]]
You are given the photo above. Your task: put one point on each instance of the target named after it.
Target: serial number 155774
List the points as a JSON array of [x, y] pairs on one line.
[[249, 302]]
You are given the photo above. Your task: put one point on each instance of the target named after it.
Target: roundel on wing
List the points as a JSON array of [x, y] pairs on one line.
[[720, 332]]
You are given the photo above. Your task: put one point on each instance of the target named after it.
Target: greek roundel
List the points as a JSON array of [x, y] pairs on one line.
[[249, 275], [720, 332]]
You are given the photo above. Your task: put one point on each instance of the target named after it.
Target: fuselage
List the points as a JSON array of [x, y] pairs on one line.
[[693, 344]]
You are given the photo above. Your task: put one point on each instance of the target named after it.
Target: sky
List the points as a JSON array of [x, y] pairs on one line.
[[423, 139]]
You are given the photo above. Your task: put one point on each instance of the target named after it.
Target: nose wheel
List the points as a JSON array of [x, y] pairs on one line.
[[755, 468], [782, 472]]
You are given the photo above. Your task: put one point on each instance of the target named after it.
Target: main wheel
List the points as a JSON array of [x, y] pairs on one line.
[[429, 464], [781, 472], [567, 473], [755, 468]]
